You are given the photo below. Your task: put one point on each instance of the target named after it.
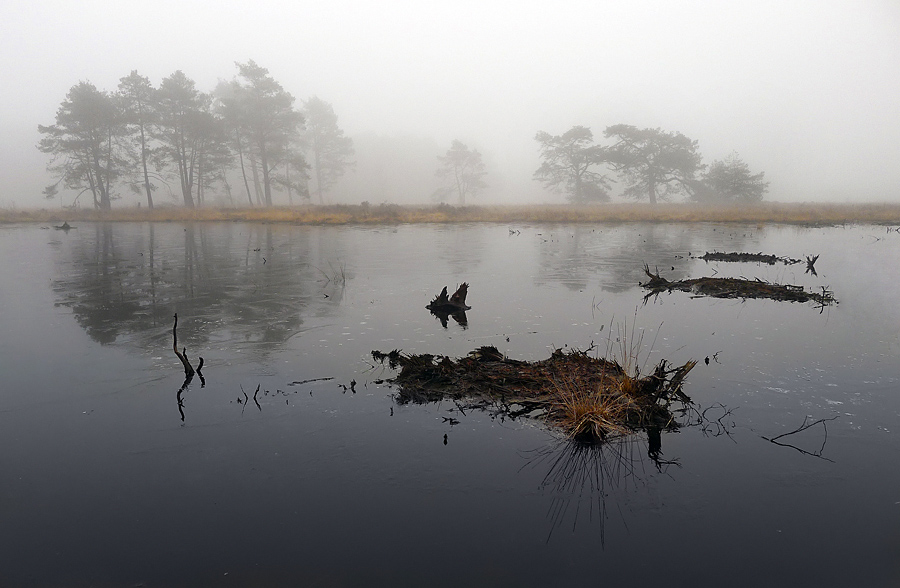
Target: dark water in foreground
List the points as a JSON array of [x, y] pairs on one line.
[[106, 481]]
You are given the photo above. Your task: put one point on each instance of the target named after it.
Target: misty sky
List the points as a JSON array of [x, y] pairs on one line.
[[806, 91]]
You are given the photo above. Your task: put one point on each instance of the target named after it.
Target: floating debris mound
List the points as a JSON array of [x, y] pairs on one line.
[[736, 288], [736, 257], [589, 398], [748, 258]]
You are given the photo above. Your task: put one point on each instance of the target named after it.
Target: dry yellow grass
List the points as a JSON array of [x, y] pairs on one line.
[[767, 212]]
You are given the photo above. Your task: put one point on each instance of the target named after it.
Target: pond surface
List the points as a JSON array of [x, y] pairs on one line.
[[114, 476]]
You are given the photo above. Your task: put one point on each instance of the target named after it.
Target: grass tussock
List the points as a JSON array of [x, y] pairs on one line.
[[589, 398], [768, 212]]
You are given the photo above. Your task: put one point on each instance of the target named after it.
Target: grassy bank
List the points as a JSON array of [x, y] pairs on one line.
[[802, 214]]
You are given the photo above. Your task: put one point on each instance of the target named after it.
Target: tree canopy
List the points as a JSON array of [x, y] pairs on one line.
[[569, 165], [136, 97], [655, 164], [250, 124], [330, 150], [265, 111], [462, 169], [730, 181], [84, 143]]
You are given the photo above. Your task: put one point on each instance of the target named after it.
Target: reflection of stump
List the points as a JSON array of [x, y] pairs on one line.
[[458, 315]]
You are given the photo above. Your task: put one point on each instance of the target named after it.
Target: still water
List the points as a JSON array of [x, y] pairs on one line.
[[111, 475]]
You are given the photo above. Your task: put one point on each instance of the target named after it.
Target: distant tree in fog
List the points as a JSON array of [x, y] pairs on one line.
[[85, 143], [136, 96], [182, 129], [229, 108], [330, 150], [569, 162], [654, 163], [462, 169], [731, 181], [264, 113]]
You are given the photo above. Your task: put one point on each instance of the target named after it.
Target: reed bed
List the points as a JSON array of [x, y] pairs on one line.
[[768, 212]]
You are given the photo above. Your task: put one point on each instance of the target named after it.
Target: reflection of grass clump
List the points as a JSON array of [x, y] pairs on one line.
[[589, 398]]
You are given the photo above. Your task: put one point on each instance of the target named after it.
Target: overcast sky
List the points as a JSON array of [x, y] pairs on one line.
[[806, 91]]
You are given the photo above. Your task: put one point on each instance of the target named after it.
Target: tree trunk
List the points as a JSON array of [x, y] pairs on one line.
[[319, 177], [267, 185], [578, 187], [256, 187], [243, 167], [186, 171], [287, 177], [144, 163], [652, 190]]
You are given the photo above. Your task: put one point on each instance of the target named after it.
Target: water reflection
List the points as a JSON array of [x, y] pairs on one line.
[[459, 316], [615, 254], [583, 475], [245, 281]]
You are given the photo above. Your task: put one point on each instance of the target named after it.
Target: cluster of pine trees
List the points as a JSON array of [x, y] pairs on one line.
[[651, 163], [188, 144], [181, 140]]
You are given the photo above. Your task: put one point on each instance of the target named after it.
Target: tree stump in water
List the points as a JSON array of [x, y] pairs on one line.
[[450, 304]]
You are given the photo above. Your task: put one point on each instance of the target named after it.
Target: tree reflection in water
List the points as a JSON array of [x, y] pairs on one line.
[[615, 254], [254, 283]]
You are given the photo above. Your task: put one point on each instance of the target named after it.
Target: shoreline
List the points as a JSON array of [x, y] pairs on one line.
[[341, 214]]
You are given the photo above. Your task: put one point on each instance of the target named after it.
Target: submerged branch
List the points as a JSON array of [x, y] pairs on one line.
[[804, 426]]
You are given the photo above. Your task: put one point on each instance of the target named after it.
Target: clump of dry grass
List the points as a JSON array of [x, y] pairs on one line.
[[766, 212], [589, 398], [593, 412]]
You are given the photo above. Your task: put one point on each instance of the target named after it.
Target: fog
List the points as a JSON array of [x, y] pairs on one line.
[[807, 92]]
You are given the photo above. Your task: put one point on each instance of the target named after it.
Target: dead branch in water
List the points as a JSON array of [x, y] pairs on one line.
[[805, 425], [748, 258], [735, 288], [188, 369], [182, 355]]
